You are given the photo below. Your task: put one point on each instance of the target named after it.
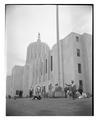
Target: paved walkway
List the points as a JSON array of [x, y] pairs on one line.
[[49, 107]]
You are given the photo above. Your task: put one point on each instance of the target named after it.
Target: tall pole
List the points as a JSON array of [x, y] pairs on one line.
[[58, 45]]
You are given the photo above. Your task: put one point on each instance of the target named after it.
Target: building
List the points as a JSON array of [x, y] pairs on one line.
[[76, 61], [17, 79], [9, 86], [41, 67], [36, 69]]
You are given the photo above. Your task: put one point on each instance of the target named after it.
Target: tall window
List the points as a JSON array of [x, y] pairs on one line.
[[46, 65], [51, 63], [78, 52], [79, 68], [77, 38], [81, 84]]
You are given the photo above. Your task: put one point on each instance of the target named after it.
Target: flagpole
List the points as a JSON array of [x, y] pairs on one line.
[[58, 46]]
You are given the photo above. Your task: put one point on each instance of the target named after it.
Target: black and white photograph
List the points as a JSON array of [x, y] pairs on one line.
[[49, 54]]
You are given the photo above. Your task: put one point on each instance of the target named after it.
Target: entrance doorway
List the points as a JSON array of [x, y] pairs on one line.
[[38, 90]]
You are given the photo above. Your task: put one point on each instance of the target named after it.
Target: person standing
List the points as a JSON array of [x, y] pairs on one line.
[[65, 90], [72, 87], [80, 90]]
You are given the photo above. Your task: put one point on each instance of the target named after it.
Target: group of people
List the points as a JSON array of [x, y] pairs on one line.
[[70, 90]]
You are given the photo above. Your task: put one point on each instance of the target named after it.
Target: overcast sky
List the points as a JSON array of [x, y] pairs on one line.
[[23, 22]]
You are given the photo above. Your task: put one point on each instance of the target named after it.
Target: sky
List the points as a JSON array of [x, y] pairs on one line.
[[23, 22]]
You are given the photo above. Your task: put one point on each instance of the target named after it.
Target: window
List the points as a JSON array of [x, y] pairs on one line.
[[77, 38], [78, 52], [51, 63], [46, 65], [79, 68], [80, 84], [41, 67]]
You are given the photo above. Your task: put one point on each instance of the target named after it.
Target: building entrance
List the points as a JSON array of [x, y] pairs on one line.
[[38, 90]]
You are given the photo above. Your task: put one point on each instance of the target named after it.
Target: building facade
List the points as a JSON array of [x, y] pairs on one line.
[[76, 61], [41, 67]]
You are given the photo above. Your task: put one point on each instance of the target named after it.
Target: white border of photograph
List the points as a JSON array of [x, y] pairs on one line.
[[3, 58]]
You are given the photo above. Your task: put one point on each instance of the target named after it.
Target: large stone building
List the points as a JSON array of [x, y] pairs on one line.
[[41, 67], [75, 62]]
